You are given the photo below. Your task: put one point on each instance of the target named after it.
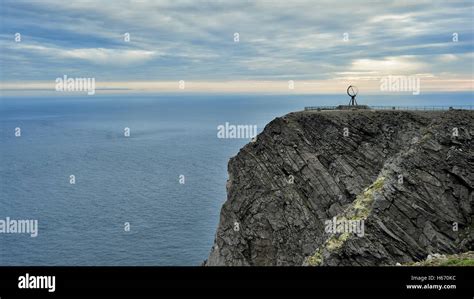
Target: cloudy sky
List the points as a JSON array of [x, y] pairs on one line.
[[320, 45]]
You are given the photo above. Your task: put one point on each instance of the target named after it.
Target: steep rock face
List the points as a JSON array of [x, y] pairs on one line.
[[407, 175]]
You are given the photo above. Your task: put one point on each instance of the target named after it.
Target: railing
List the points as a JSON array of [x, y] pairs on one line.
[[320, 108], [418, 108], [425, 108]]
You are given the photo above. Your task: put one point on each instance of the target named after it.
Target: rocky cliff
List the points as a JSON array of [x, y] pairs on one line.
[[407, 176]]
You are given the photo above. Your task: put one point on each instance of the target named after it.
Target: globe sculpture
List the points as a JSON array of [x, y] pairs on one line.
[[352, 91]]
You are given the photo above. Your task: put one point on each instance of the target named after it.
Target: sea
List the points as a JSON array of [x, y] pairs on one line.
[[132, 179]]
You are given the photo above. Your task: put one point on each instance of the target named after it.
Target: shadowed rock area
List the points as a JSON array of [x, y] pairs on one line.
[[408, 175]]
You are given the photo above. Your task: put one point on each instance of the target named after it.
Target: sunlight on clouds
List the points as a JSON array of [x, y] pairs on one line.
[[448, 58], [110, 56], [336, 86], [388, 65], [94, 55], [392, 18]]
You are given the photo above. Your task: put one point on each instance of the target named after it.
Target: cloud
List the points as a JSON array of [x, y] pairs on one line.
[[110, 56], [448, 58], [173, 40], [99, 56], [388, 65]]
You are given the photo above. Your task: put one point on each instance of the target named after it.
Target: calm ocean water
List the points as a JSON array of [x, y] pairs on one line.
[[134, 179]]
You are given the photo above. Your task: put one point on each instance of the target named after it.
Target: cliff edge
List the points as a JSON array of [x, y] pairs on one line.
[[406, 176]]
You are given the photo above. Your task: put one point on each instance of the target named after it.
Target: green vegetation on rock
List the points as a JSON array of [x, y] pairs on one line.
[[462, 259], [358, 210]]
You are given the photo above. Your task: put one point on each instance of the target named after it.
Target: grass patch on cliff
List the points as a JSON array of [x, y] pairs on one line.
[[362, 206], [358, 210], [316, 259], [335, 243], [465, 259], [458, 262]]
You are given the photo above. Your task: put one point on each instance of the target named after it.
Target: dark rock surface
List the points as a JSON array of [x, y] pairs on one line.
[[404, 173]]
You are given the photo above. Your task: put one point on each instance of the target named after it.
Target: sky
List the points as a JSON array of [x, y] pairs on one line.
[[321, 46]]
